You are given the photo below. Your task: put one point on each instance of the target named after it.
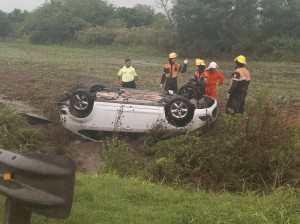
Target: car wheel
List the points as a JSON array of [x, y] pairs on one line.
[[81, 103], [179, 111], [97, 88], [190, 91]]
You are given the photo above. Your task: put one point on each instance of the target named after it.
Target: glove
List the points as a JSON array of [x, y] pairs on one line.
[[161, 86], [185, 61]]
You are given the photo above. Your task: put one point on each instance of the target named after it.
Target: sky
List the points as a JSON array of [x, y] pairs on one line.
[[29, 5]]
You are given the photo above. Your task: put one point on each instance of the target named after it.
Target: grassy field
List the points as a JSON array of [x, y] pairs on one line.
[[38, 75], [110, 199]]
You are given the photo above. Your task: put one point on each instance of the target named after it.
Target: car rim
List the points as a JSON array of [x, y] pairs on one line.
[[81, 102], [179, 109]]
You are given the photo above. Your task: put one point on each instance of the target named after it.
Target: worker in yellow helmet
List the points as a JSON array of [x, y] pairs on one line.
[[240, 80], [200, 72], [171, 71], [199, 78]]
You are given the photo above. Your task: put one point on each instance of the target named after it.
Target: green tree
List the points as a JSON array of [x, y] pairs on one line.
[[280, 18], [58, 20], [4, 24], [215, 25], [140, 15]]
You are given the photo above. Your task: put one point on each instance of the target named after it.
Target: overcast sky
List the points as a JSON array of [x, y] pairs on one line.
[[10, 5]]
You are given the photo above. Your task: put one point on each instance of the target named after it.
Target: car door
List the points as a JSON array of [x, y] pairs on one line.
[[138, 117]]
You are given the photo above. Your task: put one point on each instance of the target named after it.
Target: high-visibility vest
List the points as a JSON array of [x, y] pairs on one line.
[[244, 74], [200, 76], [171, 70]]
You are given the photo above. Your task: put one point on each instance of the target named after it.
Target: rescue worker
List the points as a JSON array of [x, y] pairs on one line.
[[127, 76], [240, 80], [199, 78], [214, 77], [171, 70]]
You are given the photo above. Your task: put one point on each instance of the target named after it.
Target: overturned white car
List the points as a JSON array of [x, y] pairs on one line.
[[88, 113]]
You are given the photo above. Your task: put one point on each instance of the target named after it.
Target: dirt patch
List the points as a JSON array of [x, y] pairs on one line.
[[86, 155]]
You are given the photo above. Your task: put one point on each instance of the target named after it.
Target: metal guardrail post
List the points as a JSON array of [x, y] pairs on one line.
[[36, 183], [15, 213]]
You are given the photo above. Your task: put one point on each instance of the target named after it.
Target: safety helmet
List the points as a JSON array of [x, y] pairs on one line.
[[212, 65], [241, 59], [172, 55], [199, 62]]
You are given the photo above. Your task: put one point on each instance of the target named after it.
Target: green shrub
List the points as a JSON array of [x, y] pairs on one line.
[[97, 35], [141, 36], [281, 48], [118, 158]]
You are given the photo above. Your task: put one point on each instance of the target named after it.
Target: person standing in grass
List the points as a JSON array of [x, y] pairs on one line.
[[171, 71], [240, 80], [127, 76], [214, 77]]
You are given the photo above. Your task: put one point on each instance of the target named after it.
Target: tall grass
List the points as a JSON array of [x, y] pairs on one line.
[[15, 134]]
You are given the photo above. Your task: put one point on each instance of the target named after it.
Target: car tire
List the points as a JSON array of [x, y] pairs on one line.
[[190, 91], [179, 111], [97, 88], [81, 103]]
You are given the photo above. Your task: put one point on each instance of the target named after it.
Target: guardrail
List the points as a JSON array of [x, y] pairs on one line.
[[43, 184]]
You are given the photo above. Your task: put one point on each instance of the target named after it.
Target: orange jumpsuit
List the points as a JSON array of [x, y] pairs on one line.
[[211, 83]]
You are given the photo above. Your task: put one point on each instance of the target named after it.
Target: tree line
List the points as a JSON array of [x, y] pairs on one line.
[[262, 28]]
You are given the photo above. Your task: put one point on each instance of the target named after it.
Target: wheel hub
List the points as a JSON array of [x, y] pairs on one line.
[[179, 109], [81, 102]]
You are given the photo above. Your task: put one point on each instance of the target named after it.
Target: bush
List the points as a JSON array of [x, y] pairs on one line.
[[97, 35], [255, 151], [281, 48], [141, 36], [118, 158]]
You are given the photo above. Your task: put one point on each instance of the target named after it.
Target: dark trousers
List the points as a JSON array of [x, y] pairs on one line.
[[236, 103], [171, 84], [130, 84]]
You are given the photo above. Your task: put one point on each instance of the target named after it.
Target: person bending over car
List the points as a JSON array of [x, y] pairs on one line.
[[240, 80], [127, 76], [199, 78], [171, 70]]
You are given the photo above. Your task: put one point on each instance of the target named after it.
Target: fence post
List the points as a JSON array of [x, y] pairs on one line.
[[14, 213]]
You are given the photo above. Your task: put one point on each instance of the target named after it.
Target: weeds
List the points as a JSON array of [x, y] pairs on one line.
[[258, 151], [118, 158], [254, 151], [15, 134]]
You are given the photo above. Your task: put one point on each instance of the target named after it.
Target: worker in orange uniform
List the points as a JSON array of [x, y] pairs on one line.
[[171, 70], [199, 78], [240, 80], [214, 77]]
